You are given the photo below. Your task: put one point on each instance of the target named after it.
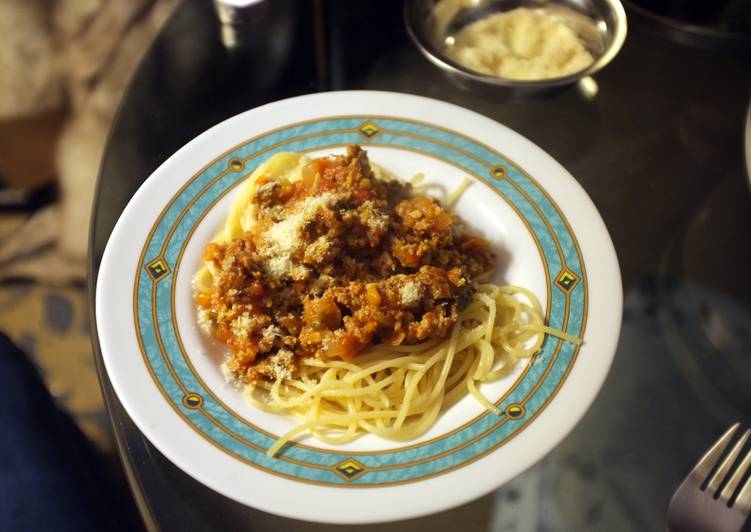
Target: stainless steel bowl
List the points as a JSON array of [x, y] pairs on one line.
[[599, 24]]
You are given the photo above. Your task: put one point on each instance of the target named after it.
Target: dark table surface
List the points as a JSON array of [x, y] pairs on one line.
[[660, 151]]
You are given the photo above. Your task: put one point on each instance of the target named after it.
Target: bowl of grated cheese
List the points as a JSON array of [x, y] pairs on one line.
[[520, 47]]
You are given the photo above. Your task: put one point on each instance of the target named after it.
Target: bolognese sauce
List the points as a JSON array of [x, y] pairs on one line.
[[337, 261]]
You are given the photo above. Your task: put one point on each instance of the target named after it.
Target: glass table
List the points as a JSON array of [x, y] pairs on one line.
[[660, 150]]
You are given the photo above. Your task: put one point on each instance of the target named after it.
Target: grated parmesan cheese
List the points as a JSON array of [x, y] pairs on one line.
[[318, 249], [228, 262], [241, 325], [410, 292], [230, 376], [271, 332], [204, 320], [280, 364], [266, 187], [526, 44], [282, 239], [380, 222]]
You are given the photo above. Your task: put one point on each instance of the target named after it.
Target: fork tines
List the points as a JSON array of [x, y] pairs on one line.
[[722, 474]]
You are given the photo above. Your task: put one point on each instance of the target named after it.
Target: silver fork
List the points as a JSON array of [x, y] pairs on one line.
[[697, 509]]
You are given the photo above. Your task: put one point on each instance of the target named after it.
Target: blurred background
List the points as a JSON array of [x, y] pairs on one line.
[[64, 65]]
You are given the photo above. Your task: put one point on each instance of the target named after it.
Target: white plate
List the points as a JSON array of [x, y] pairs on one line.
[[166, 372]]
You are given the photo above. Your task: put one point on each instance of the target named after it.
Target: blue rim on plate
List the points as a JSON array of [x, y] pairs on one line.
[[170, 367]]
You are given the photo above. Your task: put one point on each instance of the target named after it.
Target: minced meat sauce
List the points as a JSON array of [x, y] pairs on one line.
[[335, 262]]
